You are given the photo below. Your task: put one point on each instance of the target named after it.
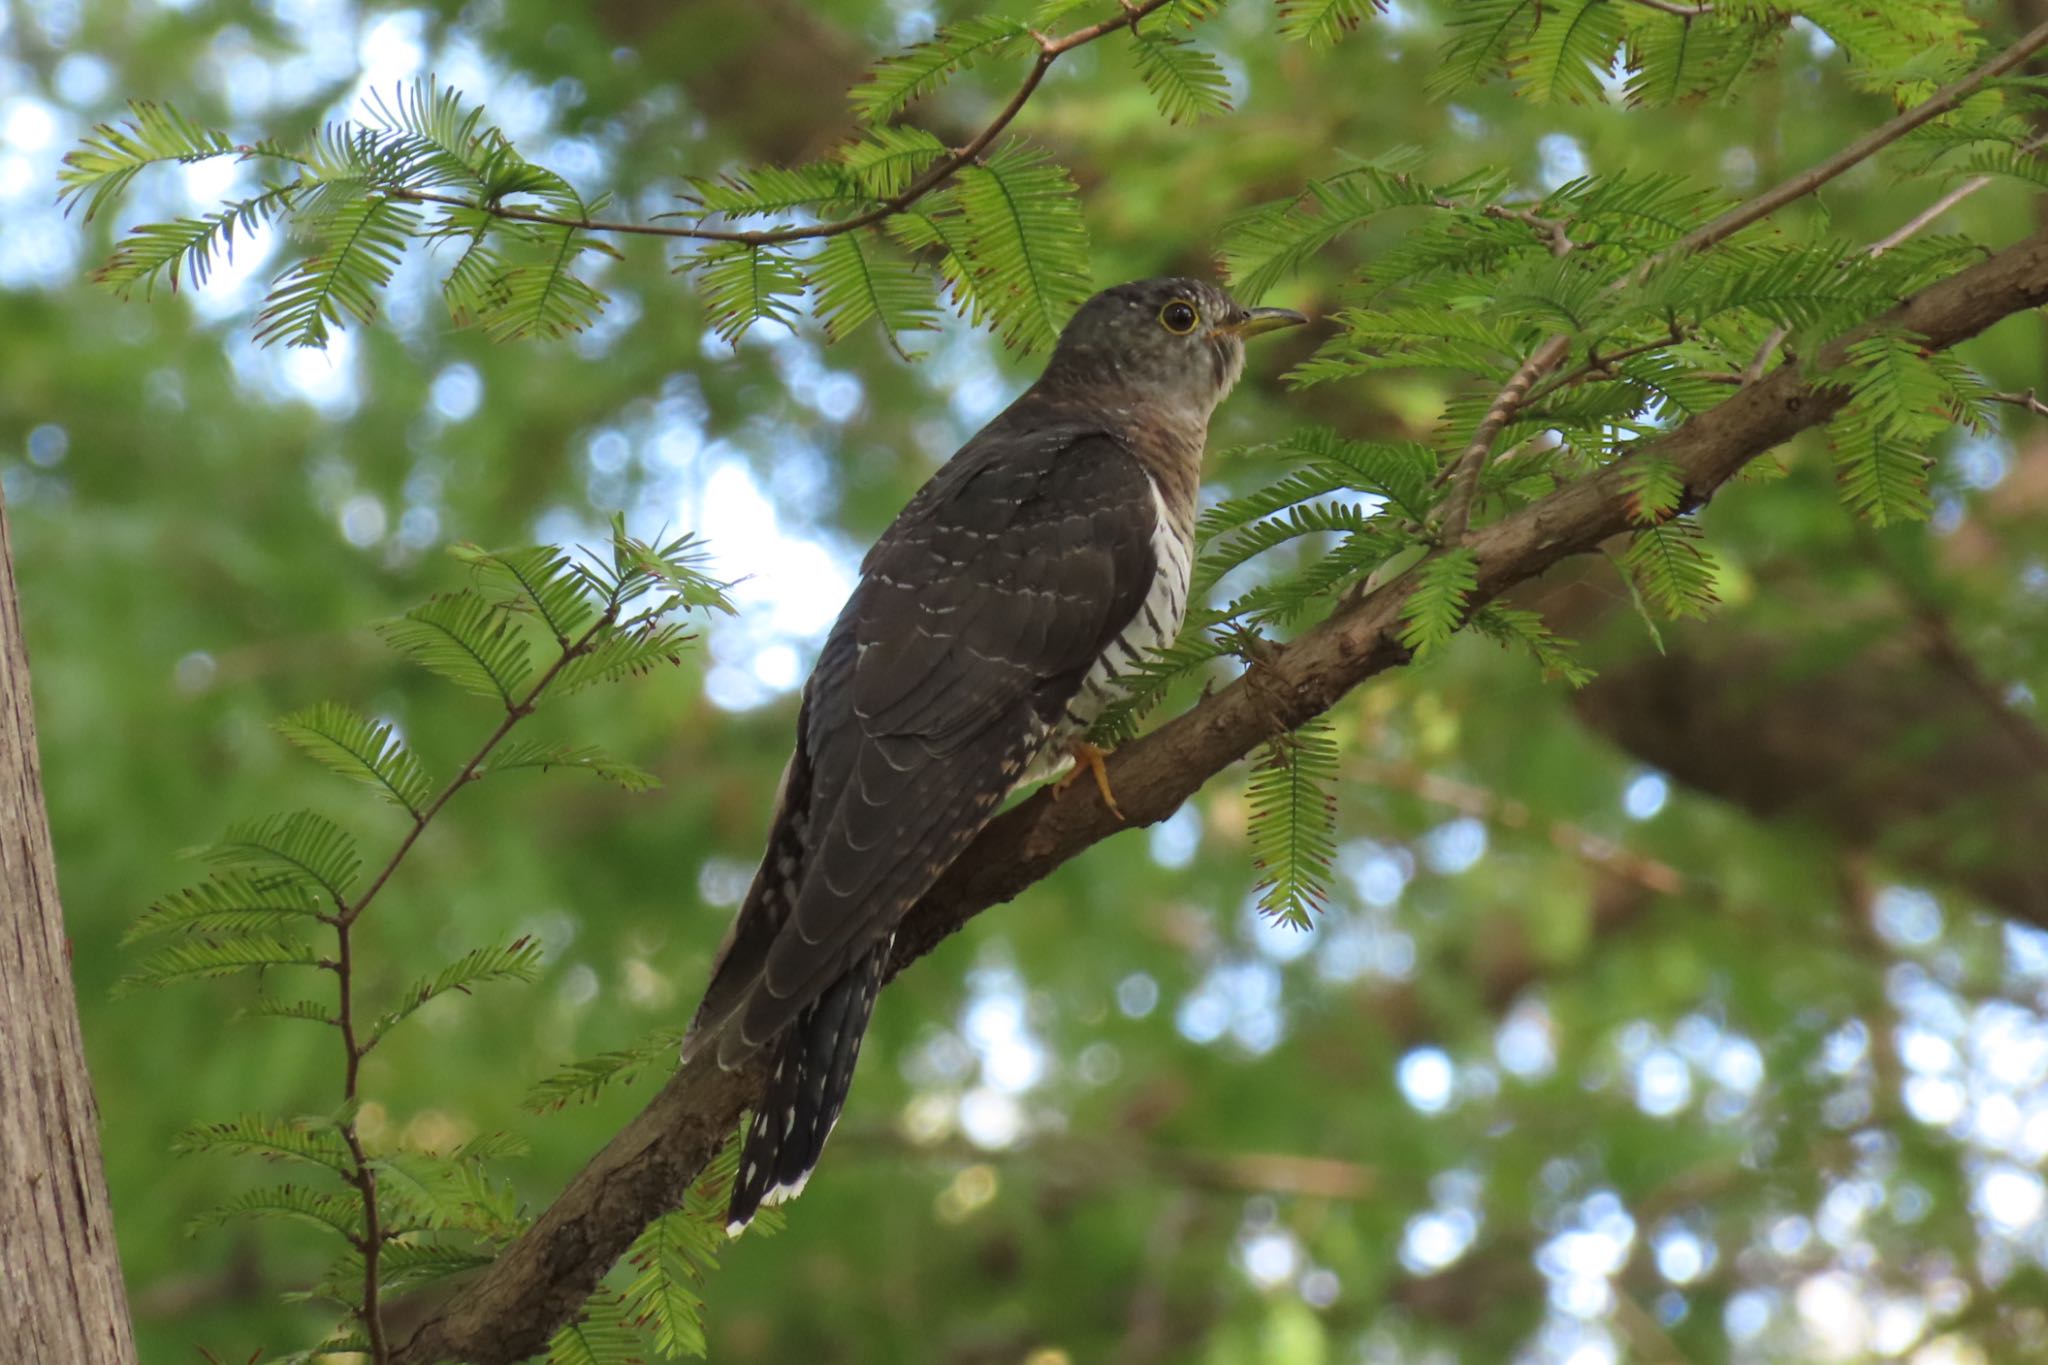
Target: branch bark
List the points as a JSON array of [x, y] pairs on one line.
[[541, 1280], [61, 1295]]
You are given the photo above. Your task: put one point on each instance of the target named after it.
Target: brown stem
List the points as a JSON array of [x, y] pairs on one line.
[[1682, 11], [540, 1281], [362, 1176], [354, 1046], [1948, 201], [2026, 401], [1050, 50]]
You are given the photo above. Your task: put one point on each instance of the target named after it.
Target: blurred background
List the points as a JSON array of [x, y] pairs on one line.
[[1693, 1017]]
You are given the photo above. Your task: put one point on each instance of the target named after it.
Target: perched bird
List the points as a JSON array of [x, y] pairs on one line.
[[991, 624]]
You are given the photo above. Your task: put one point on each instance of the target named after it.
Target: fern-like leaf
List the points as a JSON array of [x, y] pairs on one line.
[[1516, 627], [358, 248], [885, 161], [301, 848], [743, 284], [311, 1141], [540, 579], [620, 654], [918, 71], [1026, 244], [515, 754], [231, 903], [518, 960], [345, 741], [1323, 23], [856, 279], [1293, 822], [602, 1334], [1567, 51], [216, 954], [467, 639], [112, 155], [1186, 80], [336, 1211], [187, 249], [582, 1081], [1672, 569], [1435, 608]]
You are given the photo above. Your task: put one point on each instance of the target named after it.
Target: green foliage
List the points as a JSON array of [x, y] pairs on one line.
[[1186, 80], [678, 1252], [1020, 222], [857, 281], [1435, 606], [1427, 307], [1901, 399], [467, 639], [309, 1141], [583, 1081], [1293, 822], [1518, 627], [518, 960], [523, 753], [347, 742], [1672, 569], [1322, 23], [592, 620], [744, 284], [910, 75], [299, 849], [358, 195]]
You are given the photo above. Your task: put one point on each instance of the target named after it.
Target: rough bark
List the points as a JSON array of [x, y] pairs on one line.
[[61, 1296], [539, 1282]]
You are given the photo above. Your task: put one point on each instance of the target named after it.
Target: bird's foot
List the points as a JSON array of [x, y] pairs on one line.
[[1089, 757]]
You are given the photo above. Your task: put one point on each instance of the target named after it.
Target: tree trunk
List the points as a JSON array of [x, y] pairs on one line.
[[61, 1297]]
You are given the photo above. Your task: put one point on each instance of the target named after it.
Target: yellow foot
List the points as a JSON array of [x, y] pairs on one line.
[[1087, 756]]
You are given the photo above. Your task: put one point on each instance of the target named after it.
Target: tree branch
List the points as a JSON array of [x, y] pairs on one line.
[[938, 173], [1469, 468], [541, 1280]]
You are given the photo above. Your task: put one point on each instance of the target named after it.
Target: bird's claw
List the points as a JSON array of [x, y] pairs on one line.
[[1087, 756]]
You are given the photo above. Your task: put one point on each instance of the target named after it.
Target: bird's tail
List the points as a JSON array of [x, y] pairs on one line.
[[814, 1060]]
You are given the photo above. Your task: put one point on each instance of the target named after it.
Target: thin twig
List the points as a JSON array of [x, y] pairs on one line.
[[1754, 370], [1050, 50], [1602, 364], [362, 1174], [1682, 11], [2026, 401], [1948, 201]]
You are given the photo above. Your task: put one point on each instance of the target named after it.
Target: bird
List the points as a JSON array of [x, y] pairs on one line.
[[991, 624]]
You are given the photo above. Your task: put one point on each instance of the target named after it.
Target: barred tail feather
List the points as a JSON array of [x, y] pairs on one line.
[[814, 1061]]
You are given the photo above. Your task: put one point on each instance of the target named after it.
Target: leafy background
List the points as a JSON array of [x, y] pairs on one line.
[[1577, 1061]]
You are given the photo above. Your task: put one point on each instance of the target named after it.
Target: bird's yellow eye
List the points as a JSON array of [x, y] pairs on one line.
[[1179, 317]]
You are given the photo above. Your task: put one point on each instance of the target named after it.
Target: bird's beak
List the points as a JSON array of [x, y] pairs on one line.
[[1260, 320]]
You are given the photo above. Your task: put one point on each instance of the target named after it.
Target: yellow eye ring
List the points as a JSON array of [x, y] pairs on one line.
[[1179, 317]]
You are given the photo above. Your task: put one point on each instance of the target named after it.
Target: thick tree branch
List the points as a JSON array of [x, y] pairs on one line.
[[542, 1279]]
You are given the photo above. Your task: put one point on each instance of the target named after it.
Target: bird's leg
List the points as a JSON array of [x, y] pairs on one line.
[[1087, 756]]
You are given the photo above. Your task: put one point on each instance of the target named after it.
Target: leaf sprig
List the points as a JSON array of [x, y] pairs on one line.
[[535, 625]]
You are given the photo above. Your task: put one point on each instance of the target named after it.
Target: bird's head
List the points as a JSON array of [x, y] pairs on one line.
[[1174, 342]]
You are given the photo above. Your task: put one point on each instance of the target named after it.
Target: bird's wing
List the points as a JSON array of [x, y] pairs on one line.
[[978, 615]]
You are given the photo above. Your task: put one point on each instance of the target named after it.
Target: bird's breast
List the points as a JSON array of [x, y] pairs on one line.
[[1156, 623]]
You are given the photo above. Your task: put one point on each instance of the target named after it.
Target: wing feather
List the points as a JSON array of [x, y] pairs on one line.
[[977, 617]]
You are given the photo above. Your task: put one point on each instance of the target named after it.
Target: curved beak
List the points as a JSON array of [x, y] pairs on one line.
[[1257, 321]]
